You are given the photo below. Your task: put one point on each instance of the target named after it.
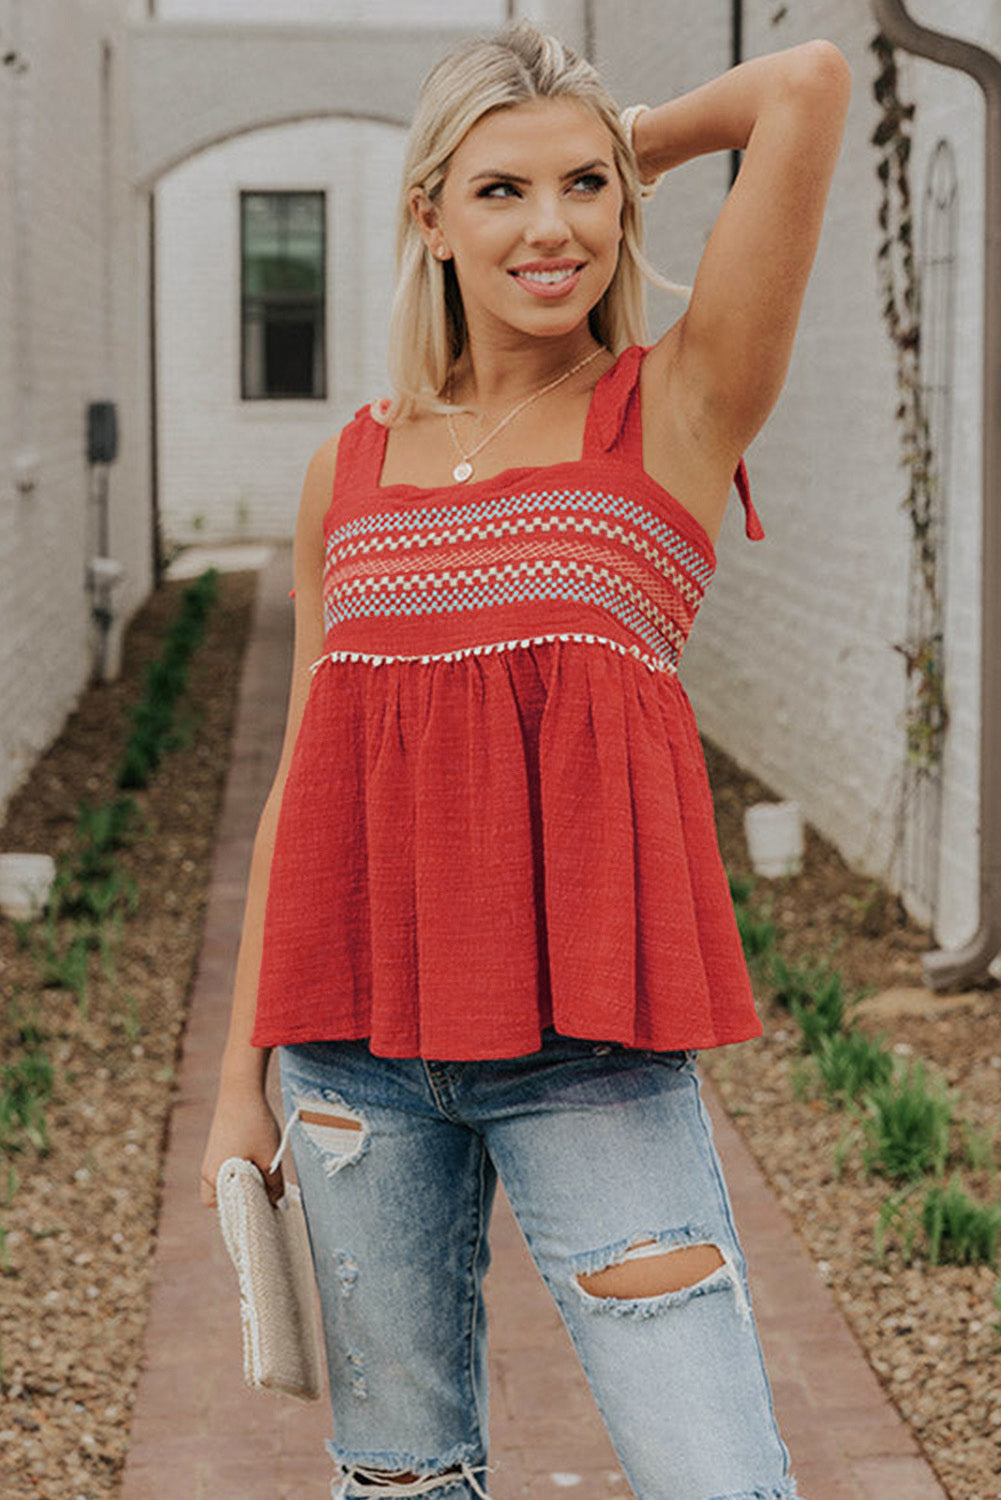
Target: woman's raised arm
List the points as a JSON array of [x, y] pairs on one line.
[[731, 348]]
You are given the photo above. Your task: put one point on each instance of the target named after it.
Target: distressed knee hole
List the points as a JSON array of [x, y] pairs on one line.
[[337, 1132], [646, 1274], [404, 1476]]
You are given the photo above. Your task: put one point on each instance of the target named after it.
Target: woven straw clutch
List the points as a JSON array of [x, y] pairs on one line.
[[269, 1246]]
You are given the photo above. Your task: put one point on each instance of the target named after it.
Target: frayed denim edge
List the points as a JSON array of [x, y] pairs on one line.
[[373, 1458]]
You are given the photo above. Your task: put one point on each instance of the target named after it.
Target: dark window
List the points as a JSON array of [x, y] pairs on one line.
[[282, 288]]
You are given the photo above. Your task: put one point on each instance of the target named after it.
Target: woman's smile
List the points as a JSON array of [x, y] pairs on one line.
[[559, 281]]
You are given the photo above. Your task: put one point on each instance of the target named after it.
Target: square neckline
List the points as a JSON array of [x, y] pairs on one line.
[[464, 486], [685, 520]]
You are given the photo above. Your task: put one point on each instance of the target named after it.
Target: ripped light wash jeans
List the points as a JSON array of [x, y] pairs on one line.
[[605, 1152]]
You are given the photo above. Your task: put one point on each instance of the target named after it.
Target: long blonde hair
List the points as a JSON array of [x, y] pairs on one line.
[[427, 330]]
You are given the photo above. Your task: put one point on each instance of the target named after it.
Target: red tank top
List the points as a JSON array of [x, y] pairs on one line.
[[497, 816]]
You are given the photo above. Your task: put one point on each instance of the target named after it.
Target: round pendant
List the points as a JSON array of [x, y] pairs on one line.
[[462, 471]]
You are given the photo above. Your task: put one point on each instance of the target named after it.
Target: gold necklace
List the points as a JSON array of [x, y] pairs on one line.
[[463, 470]]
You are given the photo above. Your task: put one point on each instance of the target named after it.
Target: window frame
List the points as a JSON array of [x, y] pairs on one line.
[[321, 299]]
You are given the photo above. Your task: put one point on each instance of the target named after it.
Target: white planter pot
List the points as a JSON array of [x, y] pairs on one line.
[[25, 883], [774, 833]]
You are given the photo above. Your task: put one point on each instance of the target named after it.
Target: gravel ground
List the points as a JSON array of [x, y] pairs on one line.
[[82, 1223], [82, 1220]]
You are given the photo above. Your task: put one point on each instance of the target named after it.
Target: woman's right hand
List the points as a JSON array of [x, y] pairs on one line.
[[243, 1125]]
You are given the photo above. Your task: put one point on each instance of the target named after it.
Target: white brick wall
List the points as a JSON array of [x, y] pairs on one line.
[[71, 330], [234, 468], [790, 666]]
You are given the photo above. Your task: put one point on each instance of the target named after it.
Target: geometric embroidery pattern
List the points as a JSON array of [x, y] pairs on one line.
[[581, 546]]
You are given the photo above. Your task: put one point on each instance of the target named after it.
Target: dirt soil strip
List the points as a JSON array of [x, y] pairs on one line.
[[82, 1223]]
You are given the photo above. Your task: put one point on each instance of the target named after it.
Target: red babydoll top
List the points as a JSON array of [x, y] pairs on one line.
[[497, 816]]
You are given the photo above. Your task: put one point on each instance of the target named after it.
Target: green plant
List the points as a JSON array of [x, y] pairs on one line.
[[105, 826], [907, 1132], [11, 1181], [25, 1086], [821, 1021], [164, 681], [798, 981], [847, 1140], [800, 1079], [978, 1148], [849, 1063], [67, 970], [24, 931], [959, 1229], [94, 894], [897, 1213], [757, 933], [25, 1023], [819, 1009], [927, 710]]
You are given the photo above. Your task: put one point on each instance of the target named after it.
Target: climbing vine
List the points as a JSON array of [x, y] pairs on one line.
[[927, 714]]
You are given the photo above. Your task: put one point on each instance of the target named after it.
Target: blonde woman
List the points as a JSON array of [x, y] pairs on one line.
[[487, 926]]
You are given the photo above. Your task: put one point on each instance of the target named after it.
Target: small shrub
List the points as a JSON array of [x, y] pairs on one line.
[[791, 982], [809, 982], [10, 1185], [850, 1063], [24, 931], [68, 970], [958, 1229], [139, 761], [820, 1014], [164, 681], [908, 1128], [978, 1148], [757, 933], [95, 895], [25, 1023], [25, 1087], [846, 1142], [899, 1214], [104, 827]]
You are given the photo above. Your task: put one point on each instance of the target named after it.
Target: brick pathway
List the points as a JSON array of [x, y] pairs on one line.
[[198, 1434]]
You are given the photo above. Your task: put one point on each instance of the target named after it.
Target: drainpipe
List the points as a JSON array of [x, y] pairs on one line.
[[947, 970], [736, 56]]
